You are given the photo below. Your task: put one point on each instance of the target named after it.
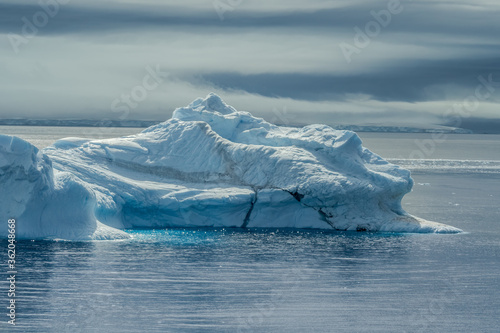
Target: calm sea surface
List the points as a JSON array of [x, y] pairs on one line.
[[230, 280]]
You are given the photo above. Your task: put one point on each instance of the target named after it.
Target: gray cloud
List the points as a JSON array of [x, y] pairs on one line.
[[261, 55], [418, 80], [417, 17]]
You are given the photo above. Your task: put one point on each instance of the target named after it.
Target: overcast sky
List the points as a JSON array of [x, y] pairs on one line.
[[285, 60]]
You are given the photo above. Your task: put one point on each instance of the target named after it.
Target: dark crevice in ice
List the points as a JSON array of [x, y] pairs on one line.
[[252, 204], [297, 196], [325, 216]]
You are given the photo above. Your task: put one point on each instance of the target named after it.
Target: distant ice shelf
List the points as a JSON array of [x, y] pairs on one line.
[[208, 166], [449, 166], [147, 123], [77, 122], [404, 129]]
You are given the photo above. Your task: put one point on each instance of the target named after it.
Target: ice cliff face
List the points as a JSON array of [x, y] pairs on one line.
[[44, 202], [211, 165]]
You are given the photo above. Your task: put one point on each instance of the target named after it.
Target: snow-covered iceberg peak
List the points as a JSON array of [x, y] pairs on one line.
[[212, 103], [211, 165]]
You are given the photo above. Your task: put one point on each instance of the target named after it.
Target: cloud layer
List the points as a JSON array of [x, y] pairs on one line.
[[407, 63]]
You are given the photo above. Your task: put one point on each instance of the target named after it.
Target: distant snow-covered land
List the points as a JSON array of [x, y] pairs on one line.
[[148, 123], [77, 122]]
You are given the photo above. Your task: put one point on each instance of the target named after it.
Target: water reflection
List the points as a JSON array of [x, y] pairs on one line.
[[221, 280]]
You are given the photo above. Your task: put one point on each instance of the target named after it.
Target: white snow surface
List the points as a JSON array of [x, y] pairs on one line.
[[208, 166], [46, 203]]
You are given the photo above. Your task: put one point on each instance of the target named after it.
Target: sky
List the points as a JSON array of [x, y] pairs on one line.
[[412, 63]]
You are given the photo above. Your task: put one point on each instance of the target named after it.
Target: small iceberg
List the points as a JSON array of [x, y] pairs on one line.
[[208, 166]]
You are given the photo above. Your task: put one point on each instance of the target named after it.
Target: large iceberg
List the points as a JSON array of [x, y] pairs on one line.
[[207, 166]]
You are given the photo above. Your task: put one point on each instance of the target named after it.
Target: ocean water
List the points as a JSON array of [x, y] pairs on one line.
[[233, 280]]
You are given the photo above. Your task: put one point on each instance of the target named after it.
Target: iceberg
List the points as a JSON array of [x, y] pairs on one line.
[[208, 166]]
